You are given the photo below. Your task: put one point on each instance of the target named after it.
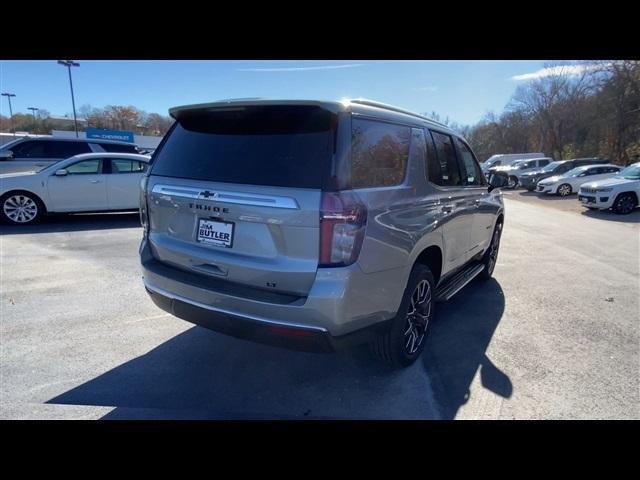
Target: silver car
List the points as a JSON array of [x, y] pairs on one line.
[[315, 225]]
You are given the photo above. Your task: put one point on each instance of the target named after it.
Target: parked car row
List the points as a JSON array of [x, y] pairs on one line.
[[599, 184], [619, 193], [90, 182], [31, 154]]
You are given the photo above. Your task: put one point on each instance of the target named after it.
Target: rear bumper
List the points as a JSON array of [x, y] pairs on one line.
[[341, 302], [281, 335]]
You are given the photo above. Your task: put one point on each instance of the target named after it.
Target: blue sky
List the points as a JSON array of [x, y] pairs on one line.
[[462, 90]]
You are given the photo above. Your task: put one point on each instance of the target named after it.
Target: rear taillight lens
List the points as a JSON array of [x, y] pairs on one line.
[[144, 215], [343, 220]]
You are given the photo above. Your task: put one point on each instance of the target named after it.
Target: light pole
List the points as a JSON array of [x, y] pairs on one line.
[[9, 95], [69, 64], [35, 121]]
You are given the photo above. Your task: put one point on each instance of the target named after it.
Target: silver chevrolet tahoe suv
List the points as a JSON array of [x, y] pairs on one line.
[[315, 225]]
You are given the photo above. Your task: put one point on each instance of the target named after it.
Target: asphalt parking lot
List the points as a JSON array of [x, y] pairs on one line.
[[554, 335]]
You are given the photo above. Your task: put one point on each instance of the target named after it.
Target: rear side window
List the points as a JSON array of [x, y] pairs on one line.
[[29, 150], [126, 166], [66, 149], [84, 168], [118, 148], [379, 153], [283, 145], [443, 166]]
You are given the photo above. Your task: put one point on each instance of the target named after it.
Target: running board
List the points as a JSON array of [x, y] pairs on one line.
[[453, 285]]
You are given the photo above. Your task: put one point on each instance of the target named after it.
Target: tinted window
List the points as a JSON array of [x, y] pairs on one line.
[[565, 167], [471, 174], [84, 167], [543, 163], [118, 148], [126, 166], [379, 153], [66, 149], [29, 150], [288, 146], [443, 167]]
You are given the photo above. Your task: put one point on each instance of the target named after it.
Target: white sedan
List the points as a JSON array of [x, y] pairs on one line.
[[91, 182], [570, 182]]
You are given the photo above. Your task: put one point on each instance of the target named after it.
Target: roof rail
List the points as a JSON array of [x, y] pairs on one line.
[[385, 106]]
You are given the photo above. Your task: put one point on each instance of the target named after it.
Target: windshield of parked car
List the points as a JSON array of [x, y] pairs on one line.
[[492, 163], [575, 172], [8, 145], [632, 172], [551, 167]]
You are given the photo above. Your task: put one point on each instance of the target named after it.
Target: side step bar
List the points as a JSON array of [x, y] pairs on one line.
[[453, 285]]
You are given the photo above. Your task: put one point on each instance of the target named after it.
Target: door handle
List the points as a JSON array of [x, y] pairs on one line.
[[476, 202], [95, 181], [447, 208]]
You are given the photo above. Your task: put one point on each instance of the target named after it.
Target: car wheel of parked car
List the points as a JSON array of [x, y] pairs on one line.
[[403, 343], [564, 190], [491, 255], [513, 182], [21, 208], [531, 189], [625, 203]]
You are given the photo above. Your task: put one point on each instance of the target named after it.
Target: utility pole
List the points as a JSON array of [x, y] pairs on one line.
[[35, 120], [69, 64], [9, 95]]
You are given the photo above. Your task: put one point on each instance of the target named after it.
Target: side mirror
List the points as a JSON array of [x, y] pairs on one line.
[[6, 154], [61, 173], [498, 180]]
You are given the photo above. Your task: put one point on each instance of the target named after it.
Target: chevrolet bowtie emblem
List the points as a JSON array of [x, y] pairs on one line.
[[208, 194]]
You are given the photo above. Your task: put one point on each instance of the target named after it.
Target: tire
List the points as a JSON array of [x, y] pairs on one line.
[[401, 345], [531, 189], [564, 190], [624, 204], [21, 208], [490, 257], [512, 182]]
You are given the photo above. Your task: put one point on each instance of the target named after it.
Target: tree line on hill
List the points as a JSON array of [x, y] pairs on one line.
[[583, 109], [111, 117]]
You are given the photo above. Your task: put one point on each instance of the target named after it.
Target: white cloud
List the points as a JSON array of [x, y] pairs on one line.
[[430, 88], [301, 69], [558, 69]]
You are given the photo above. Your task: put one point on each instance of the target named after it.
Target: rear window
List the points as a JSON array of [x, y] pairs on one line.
[[285, 146], [379, 153]]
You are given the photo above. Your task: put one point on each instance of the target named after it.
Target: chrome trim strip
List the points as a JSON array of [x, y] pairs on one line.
[[223, 196], [195, 303]]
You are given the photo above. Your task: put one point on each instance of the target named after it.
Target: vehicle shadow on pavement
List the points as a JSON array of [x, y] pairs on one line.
[[457, 345], [545, 196], [633, 217], [200, 374], [75, 223]]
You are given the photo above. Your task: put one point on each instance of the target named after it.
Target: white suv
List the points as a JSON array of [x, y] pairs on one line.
[[620, 193]]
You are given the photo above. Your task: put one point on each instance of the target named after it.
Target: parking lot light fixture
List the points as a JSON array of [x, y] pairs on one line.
[[69, 64], [35, 120], [9, 95]]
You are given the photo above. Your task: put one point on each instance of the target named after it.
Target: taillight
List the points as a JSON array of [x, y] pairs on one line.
[[342, 223], [144, 215]]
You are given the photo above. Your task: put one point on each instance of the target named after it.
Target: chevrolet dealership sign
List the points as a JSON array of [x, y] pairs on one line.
[[121, 135]]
